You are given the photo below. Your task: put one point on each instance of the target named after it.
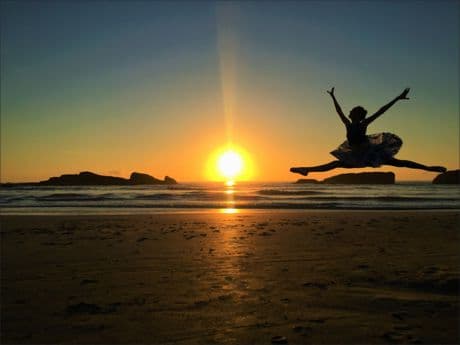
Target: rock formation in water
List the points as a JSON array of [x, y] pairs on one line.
[[449, 177], [84, 178], [140, 178], [87, 178], [359, 178], [362, 178], [307, 180]]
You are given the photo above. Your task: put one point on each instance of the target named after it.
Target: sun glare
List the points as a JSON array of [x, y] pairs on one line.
[[230, 164]]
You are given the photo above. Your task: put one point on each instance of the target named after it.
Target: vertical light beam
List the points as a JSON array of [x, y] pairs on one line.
[[227, 13]]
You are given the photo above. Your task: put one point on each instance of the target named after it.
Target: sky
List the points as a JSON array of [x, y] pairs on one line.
[[159, 87]]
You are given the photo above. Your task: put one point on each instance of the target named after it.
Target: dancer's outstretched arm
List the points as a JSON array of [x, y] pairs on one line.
[[338, 109], [383, 109]]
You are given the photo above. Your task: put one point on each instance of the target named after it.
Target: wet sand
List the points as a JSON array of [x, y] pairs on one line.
[[250, 278]]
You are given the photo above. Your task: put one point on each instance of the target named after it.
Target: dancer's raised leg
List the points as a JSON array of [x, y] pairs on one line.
[[325, 167], [414, 165]]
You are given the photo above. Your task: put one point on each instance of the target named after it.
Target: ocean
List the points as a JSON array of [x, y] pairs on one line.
[[216, 196]]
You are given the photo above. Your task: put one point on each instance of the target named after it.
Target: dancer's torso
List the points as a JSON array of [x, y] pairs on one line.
[[356, 133]]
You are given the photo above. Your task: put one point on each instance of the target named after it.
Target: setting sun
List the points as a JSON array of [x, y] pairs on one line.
[[230, 164]]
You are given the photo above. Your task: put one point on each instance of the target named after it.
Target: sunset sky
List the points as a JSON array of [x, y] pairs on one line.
[[158, 87]]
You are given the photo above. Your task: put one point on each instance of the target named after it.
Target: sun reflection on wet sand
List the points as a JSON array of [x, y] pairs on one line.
[[229, 210]]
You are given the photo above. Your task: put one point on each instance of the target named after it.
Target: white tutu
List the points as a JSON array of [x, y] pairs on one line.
[[380, 148]]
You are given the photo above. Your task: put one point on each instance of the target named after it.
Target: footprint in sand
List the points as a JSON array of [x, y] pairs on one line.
[[319, 285], [88, 281], [89, 327], [400, 315], [265, 233], [401, 336], [303, 331], [279, 339], [200, 304], [89, 308]]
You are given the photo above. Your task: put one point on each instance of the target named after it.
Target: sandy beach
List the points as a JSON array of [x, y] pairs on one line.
[[319, 277]]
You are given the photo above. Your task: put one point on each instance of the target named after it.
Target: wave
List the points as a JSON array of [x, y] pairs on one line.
[[219, 196], [288, 192], [157, 196], [261, 206], [179, 187], [376, 198], [75, 197], [208, 197], [214, 196]]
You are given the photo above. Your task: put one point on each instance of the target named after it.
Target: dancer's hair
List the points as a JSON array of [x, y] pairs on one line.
[[357, 113]]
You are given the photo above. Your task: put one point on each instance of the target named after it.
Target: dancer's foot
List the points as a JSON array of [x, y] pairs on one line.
[[301, 171], [438, 169]]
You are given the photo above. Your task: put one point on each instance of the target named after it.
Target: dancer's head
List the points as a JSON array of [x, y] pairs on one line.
[[357, 114]]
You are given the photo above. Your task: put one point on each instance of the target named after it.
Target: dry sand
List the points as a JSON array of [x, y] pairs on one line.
[[307, 277]]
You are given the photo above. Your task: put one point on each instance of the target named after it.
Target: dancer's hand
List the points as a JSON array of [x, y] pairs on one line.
[[331, 92], [403, 95]]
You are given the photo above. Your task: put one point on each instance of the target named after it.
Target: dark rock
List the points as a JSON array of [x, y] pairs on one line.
[[307, 180], [139, 178], [449, 177], [84, 178], [169, 180], [362, 178], [87, 178]]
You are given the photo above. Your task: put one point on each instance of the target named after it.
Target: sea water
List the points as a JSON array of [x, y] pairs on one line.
[[218, 196]]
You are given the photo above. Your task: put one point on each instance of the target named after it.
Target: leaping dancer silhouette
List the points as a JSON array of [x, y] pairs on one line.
[[361, 150]]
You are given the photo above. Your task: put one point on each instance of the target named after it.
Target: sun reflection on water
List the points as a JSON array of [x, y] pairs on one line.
[[230, 202]]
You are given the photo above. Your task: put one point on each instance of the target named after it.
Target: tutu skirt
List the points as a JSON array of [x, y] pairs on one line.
[[379, 148]]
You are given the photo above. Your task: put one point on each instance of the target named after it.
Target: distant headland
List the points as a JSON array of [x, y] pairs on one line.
[[87, 178]]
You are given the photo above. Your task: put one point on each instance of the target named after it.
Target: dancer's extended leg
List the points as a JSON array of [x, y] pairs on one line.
[[325, 167], [409, 164]]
